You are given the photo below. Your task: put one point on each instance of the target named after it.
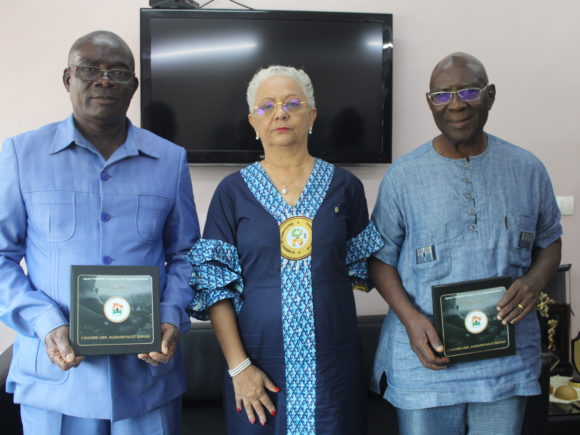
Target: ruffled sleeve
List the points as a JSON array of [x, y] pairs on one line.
[[216, 276], [358, 250]]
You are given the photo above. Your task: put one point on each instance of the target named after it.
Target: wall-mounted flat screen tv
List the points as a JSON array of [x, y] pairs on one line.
[[196, 65]]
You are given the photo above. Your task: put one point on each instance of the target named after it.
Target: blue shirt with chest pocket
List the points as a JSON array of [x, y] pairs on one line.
[[447, 221], [63, 204]]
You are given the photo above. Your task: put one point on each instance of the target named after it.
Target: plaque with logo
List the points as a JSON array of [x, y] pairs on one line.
[[114, 310], [465, 316]]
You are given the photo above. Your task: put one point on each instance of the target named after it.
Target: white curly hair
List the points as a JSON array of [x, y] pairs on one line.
[[298, 75]]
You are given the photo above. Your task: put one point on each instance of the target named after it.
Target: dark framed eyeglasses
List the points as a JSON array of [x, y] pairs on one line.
[[269, 108], [91, 73], [444, 97]]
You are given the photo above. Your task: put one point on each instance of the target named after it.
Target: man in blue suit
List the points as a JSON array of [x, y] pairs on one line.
[[93, 189]]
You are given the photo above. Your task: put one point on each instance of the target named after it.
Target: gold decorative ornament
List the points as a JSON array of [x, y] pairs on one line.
[[543, 307], [296, 238]]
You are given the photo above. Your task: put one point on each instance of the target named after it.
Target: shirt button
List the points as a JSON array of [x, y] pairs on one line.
[[104, 176], [105, 217], [107, 260], [468, 180], [469, 195], [472, 212], [472, 227]]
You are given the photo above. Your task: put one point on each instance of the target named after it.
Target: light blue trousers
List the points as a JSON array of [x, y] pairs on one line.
[[165, 420], [503, 417]]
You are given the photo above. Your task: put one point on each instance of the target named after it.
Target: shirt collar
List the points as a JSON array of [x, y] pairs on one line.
[[67, 134]]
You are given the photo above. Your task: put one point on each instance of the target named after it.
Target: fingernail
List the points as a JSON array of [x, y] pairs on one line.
[[238, 409], [252, 421], [263, 423], [498, 317], [498, 308], [276, 389], [273, 412]]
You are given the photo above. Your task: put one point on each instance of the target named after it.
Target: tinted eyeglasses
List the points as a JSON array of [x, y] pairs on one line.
[[91, 73], [269, 108], [444, 97]]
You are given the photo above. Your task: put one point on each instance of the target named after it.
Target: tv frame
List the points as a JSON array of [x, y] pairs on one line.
[[382, 154]]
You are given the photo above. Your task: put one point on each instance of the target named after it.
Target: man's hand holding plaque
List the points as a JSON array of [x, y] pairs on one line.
[[465, 315], [115, 310]]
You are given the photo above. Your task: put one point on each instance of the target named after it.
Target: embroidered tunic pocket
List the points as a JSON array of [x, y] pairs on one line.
[[521, 235], [431, 260]]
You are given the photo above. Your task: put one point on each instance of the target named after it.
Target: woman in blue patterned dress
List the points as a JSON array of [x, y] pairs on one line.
[[286, 240]]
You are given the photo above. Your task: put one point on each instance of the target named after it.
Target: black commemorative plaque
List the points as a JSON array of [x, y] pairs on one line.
[[465, 316], [114, 310]]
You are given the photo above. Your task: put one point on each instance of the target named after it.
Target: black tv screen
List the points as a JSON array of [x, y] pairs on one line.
[[196, 65]]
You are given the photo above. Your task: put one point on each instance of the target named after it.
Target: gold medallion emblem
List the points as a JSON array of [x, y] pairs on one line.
[[296, 238]]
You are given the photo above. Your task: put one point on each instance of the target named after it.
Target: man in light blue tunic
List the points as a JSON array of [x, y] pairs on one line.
[[464, 206], [93, 190]]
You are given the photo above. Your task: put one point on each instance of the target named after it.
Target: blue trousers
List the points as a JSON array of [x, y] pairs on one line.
[[503, 417], [165, 420]]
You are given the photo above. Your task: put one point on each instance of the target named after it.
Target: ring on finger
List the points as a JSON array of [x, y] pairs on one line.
[[521, 307]]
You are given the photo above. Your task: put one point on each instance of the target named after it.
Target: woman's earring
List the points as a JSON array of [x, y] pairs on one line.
[[310, 132], [257, 137]]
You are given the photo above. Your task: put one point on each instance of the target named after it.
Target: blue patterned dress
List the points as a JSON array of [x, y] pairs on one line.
[[289, 272]]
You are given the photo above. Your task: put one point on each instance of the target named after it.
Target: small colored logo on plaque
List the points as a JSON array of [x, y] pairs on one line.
[[117, 309], [476, 321], [296, 238]]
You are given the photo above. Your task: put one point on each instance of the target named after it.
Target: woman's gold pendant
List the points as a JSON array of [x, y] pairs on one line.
[[296, 238]]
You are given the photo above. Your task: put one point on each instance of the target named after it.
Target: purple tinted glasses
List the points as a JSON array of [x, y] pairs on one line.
[[444, 97], [270, 107]]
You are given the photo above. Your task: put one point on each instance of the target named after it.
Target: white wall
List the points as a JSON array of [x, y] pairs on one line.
[[530, 49]]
